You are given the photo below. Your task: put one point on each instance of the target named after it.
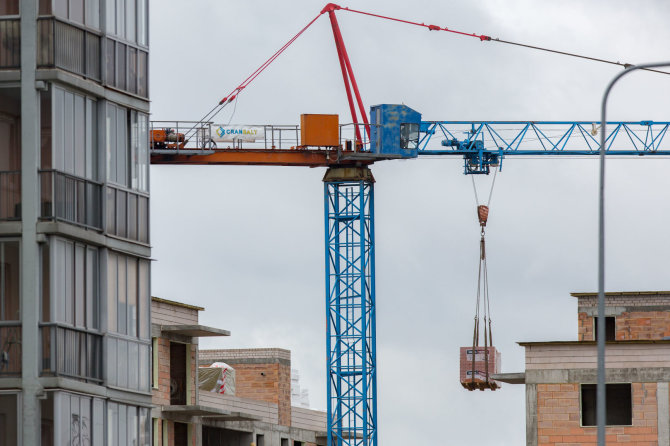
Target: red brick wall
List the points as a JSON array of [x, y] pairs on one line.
[[559, 418], [630, 325], [265, 382]]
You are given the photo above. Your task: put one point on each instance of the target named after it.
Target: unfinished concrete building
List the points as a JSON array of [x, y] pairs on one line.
[[560, 377], [257, 413]]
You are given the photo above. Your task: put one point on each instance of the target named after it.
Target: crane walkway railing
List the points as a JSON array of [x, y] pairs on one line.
[[202, 138]]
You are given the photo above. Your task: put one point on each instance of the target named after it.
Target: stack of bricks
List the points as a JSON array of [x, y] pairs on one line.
[[559, 419], [638, 316], [262, 374], [467, 358]]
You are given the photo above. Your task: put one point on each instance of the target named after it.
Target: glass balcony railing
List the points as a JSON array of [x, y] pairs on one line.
[[68, 47], [71, 352], [10, 43], [127, 214], [70, 198]]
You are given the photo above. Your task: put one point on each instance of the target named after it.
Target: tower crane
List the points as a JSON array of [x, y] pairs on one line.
[[391, 132]]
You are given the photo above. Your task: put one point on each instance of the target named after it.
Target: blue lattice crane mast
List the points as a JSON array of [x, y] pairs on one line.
[[392, 132]]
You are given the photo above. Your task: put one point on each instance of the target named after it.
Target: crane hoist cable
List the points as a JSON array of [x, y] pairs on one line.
[[330, 8], [483, 306]]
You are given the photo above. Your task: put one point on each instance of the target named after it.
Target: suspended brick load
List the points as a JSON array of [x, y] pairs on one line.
[[479, 363]]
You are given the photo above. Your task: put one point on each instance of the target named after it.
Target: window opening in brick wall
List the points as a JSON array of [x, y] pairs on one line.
[[177, 373], [619, 404], [260, 440], [610, 328], [284, 442], [181, 433]]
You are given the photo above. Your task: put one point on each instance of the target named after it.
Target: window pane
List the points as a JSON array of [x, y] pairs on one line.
[[134, 130], [111, 142], [112, 424], [45, 130], [9, 281], [93, 13], [111, 291], [133, 433], [59, 280], [91, 139], [9, 7], [121, 147], [120, 18], [131, 10], [79, 286], [111, 210], [60, 8], [68, 269], [112, 361], [122, 363], [132, 216], [110, 57], [111, 16], [144, 299], [142, 22], [123, 432], [121, 66], [122, 315], [143, 152], [74, 424], [143, 89], [92, 281], [79, 135], [133, 366], [132, 296], [145, 427], [68, 132], [98, 422], [144, 367], [77, 11], [84, 437], [143, 219], [121, 218], [45, 266], [63, 417]]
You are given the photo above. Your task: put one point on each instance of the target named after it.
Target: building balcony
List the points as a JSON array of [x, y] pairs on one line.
[[72, 199], [68, 47], [71, 352], [127, 213]]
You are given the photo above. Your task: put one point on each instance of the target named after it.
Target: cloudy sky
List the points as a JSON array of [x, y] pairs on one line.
[[247, 242]]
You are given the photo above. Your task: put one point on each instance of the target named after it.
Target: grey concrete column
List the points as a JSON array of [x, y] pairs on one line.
[[531, 414], [663, 404], [30, 149]]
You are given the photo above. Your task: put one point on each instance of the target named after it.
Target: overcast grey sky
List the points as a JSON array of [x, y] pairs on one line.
[[247, 242]]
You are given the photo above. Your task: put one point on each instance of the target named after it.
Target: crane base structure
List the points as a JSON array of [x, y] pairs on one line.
[[350, 306]]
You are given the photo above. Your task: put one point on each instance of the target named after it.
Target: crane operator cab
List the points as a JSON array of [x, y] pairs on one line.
[[394, 131]]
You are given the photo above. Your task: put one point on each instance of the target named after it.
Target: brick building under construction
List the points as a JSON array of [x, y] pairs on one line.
[[560, 376]]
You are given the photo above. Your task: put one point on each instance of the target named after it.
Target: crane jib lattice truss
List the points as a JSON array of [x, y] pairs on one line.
[[391, 132]]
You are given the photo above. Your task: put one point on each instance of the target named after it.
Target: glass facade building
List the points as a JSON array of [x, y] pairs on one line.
[[75, 341]]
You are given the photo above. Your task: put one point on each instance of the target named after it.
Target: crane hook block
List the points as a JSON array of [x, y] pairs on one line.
[[483, 214]]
